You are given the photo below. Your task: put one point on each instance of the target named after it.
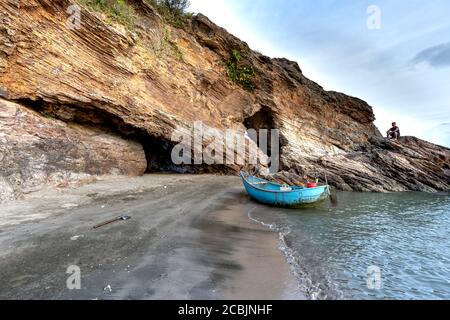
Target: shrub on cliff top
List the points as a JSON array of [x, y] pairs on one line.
[[116, 10], [173, 11], [240, 74], [177, 7]]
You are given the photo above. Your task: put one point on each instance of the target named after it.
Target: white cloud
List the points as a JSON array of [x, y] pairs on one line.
[[220, 12], [335, 49]]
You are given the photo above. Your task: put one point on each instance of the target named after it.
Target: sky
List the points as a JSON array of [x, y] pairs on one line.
[[393, 54]]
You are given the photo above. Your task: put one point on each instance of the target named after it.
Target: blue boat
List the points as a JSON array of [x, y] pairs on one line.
[[285, 196]]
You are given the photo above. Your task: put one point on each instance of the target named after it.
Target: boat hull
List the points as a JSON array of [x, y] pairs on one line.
[[270, 193]]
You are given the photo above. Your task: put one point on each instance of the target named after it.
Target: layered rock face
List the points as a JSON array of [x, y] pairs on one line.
[[36, 151], [136, 85]]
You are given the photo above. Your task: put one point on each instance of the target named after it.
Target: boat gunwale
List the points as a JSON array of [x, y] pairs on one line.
[[298, 189]]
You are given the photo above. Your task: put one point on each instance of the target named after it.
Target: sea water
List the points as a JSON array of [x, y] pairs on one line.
[[371, 246]]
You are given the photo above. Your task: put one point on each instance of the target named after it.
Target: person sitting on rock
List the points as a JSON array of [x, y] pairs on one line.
[[394, 132]]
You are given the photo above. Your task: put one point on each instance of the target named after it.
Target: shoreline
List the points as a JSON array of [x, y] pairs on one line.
[[262, 271], [190, 237]]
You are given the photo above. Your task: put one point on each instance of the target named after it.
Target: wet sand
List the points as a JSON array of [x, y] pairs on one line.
[[189, 238], [264, 271]]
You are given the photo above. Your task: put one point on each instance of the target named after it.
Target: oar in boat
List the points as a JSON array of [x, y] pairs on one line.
[[333, 197]]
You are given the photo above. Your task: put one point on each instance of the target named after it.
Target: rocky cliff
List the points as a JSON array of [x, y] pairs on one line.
[[105, 99]]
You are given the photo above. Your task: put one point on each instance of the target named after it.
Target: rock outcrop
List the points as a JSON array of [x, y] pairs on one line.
[[36, 151], [411, 165], [109, 98]]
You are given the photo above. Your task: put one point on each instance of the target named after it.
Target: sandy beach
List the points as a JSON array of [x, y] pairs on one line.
[[189, 237]]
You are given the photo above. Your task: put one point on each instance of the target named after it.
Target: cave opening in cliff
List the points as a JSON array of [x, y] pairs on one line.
[[263, 119], [158, 149], [158, 152]]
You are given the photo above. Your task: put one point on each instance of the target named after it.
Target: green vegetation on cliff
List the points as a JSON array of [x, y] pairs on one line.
[[242, 75], [119, 11], [173, 11], [116, 10]]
